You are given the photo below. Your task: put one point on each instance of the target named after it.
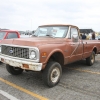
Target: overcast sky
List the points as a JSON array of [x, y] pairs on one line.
[[29, 14]]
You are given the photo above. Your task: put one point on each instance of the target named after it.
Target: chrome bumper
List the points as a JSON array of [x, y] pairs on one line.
[[21, 63]]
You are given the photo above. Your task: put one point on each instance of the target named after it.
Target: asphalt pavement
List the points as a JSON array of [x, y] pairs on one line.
[[78, 82]]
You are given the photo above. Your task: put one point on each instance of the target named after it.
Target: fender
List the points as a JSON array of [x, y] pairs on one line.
[[51, 53]]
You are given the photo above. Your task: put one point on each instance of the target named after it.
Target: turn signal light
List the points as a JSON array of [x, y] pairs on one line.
[[44, 54], [25, 66]]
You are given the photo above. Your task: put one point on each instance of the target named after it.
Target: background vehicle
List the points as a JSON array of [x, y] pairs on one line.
[[8, 34], [97, 37]]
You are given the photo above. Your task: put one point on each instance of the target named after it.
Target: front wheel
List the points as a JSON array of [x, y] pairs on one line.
[[52, 73], [14, 70], [90, 60]]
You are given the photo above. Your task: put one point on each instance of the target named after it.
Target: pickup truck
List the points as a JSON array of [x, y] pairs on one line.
[[8, 34], [48, 50]]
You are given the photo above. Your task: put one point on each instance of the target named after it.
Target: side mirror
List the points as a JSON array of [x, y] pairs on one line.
[[75, 38]]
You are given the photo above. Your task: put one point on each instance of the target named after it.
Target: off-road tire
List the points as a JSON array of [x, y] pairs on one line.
[[13, 70], [52, 74], [90, 60]]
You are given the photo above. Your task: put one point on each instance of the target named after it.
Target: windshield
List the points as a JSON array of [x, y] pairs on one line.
[[59, 31], [2, 34]]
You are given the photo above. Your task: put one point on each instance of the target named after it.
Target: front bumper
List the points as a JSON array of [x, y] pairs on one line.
[[21, 63]]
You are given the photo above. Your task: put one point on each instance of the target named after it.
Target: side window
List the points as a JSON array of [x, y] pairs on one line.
[[74, 31], [12, 35]]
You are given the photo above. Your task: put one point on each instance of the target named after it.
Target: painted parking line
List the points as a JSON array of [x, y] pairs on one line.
[[24, 90], [8, 96], [87, 71]]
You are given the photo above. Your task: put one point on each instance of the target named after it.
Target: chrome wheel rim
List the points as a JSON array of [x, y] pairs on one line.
[[55, 74], [92, 58]]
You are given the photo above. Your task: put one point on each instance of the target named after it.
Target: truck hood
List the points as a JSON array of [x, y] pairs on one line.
[[33, 41]]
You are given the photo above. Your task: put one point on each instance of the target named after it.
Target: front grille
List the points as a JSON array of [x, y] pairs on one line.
[[15, 51]]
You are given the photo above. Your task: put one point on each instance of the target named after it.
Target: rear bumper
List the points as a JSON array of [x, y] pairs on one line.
[[21, 63]]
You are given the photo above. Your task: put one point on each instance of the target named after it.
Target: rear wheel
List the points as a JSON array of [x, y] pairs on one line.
[[14, 70], [52, 74], [90, 60]]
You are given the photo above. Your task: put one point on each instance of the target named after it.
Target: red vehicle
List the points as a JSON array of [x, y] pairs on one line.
[[8, 34]]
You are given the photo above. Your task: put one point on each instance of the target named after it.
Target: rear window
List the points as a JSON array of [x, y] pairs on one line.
[[12, 35]]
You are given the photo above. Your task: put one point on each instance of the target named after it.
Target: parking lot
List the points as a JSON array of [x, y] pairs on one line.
[[78, 82]]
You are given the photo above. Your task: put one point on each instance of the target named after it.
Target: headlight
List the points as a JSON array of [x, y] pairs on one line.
[[32, 54]]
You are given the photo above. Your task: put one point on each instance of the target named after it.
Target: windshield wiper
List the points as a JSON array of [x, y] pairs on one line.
[[34, 35], [50, 35]]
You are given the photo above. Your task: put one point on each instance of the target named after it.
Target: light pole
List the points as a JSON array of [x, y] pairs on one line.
[[31, 24]]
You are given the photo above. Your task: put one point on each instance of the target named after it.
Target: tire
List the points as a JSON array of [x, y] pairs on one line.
[[90, 60], [0, 62], [52, 74], [14, 70]]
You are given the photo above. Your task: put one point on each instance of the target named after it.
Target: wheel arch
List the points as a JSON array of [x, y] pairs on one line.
[[95, 50], [56, 56]]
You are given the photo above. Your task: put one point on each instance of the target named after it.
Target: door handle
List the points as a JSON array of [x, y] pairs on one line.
[[73, 44]]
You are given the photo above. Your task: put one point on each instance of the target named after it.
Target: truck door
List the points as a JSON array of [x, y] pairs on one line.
[[79, 50], [76, 45]]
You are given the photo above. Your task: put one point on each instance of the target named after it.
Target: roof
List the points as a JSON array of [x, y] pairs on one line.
[[9, 30], [3, 29], [57, 25], [86, 31]]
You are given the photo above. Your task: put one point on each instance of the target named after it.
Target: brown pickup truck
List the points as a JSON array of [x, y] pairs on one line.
[[50, 48]]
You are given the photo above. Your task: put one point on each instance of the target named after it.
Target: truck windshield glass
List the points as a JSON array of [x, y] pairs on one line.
[[2, 34], [59, 31]]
